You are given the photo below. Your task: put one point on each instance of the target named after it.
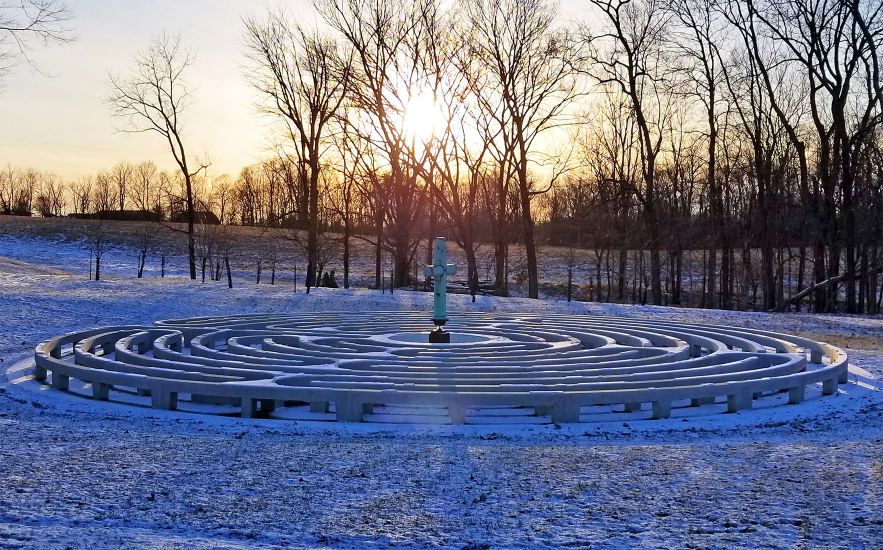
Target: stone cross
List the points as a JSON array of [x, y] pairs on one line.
[[439, 271]]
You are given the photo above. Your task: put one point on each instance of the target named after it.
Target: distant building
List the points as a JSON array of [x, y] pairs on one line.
[[205, 217], [121, 215]]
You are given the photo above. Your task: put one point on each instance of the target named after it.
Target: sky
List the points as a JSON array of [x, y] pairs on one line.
[[57, 121], [54, 119]]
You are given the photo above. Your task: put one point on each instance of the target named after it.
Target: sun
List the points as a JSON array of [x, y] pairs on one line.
[[422, 120]]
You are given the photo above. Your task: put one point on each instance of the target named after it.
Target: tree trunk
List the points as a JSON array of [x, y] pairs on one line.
[[401, 269], [655, 262], [712, 274], [863, 281], [833, 270], [678, 277], [500, 266], [820, 274], [346, 254], [801, 273], [656, 276], [780, 277], [704, 264], [229, 276], [769, 282], [378, 250], [599, 258], [872, 284], [501, 242], [313, 226], [623, 273], [471, 268], [746, 274], [191, 220]]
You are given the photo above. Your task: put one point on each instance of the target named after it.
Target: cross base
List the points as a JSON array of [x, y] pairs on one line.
[[439, 336]]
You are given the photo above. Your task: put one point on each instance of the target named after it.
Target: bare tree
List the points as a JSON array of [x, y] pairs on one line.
[[835, 44], [699, 40], [152, 99], [630, 54], [343, 198], [99, 242], [122, 175], [146, 237], [81, 194], [461, 166], [303, 79], [532, 66], [222, 190], [103, 193], [145, 189], [25, 22], [50, 200], [25, 192], [17, 188], [390, 41]]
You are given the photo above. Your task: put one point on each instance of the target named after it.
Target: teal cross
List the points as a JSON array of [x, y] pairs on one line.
[[439, 271]]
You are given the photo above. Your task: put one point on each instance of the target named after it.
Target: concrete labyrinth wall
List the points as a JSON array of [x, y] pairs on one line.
[[356, 365]]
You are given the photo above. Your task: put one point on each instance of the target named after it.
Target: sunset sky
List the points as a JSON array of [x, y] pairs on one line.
[[56, 121]]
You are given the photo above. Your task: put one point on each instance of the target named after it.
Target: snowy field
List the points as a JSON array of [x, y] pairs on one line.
[[80, 474]]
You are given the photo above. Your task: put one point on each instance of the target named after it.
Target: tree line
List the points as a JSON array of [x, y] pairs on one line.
[[748, 130]]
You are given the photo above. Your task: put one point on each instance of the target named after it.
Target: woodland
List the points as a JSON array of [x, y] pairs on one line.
[[741, 134]]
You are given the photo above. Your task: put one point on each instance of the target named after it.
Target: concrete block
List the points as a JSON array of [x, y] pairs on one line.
[[815, 356], [696, 350], [348, 409], [829, 387], [542, 410], [796, 395], [319, 406], [632, 407], [100, 392], [457, 414], [567, 412], [843, 378], [739, 401], [661, 409], [164, 400], [249, 407], [60, 381], [699, 401], [367, 408], [40, 373], [143, 392]]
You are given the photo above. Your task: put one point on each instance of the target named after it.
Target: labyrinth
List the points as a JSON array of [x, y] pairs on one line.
[[356, 366]]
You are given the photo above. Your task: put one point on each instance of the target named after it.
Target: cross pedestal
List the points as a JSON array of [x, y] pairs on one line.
[[439, 271]]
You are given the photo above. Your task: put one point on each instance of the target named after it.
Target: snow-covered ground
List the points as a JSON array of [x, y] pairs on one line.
[[79, 474]]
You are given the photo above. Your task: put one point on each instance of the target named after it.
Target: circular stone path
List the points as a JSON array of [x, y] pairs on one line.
[[379, 366]]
